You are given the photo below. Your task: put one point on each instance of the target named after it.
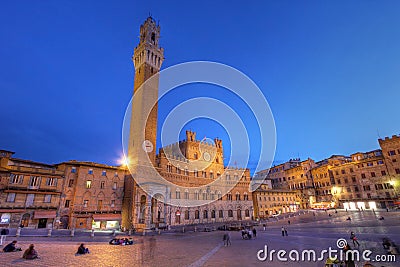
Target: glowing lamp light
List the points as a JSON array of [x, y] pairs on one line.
[[124, 161]]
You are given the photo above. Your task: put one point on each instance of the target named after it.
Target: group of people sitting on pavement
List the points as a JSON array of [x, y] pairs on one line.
[[390, 246], [249, 234], [30, 253], [121, 241]]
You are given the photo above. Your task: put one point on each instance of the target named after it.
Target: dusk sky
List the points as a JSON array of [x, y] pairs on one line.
[[329, 70]]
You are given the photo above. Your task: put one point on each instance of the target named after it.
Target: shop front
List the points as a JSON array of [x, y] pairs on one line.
[[44, 218], [106, 221]]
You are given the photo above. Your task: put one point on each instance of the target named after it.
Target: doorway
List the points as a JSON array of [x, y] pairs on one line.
[[42, 223]]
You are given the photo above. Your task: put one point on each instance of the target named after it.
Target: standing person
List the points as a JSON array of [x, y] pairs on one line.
[[228, 239], [225, 238], [254, 232], [288, 222], [283, 231], [3, 236], [286, 232], [354, 238], [30, 253], [264, 226]]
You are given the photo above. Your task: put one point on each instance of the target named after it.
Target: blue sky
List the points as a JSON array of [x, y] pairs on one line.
[[329, 70]]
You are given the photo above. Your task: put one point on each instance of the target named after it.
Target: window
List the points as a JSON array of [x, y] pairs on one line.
[[47, 199], [370, 164], [177, 194], [229, 196], [397, 171], [205, 214], [67, 202], [238, 196], [196, 156], [35, 181], [85, 203], [230, 213], [204, 195], [246, 196], [90, 171], [73, 170], [169, 168], [16, 178], [392, 153], [211, 175], [114, 186], [363, 175], [367, 188], [346, 181], [213, 214], [112, 203], [351, 170], [219, 195], [51, 181], [387, 194], [103, 173], [353, 179], [197, 214], [88, 184], [196, 195], [343, 171], [383, 173], [196, 173], [70, 182], [228, 177], [102, 184], [221, 213], [11, 197], [373, 174], [186, 215], [247, 213], [99, 204]]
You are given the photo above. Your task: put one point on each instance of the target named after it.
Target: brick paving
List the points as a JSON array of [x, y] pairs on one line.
[[205, 248]]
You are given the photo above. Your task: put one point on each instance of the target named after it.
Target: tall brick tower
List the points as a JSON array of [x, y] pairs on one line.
[[147, 59]]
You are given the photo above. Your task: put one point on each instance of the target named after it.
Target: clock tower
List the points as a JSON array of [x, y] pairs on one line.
[[147, 59]]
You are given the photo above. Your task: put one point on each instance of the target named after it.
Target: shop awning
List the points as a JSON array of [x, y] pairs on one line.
[[107, 217], [41, 214]]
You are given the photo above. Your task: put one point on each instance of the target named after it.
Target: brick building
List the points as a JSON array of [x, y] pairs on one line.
[[29, 192], [92, 195]]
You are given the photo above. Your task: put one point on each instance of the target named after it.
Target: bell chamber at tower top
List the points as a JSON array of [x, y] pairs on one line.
[[148, 50]]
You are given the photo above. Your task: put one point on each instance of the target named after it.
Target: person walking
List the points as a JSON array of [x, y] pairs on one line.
[[283, 231], [288, 222], [254, 232], [225, 238], [354, 238], [3, 233], [228, 239], [286, 232], [264, 226]]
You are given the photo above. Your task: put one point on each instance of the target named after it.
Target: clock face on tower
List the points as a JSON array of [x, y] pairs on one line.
[[147, 146], [206, 156]]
